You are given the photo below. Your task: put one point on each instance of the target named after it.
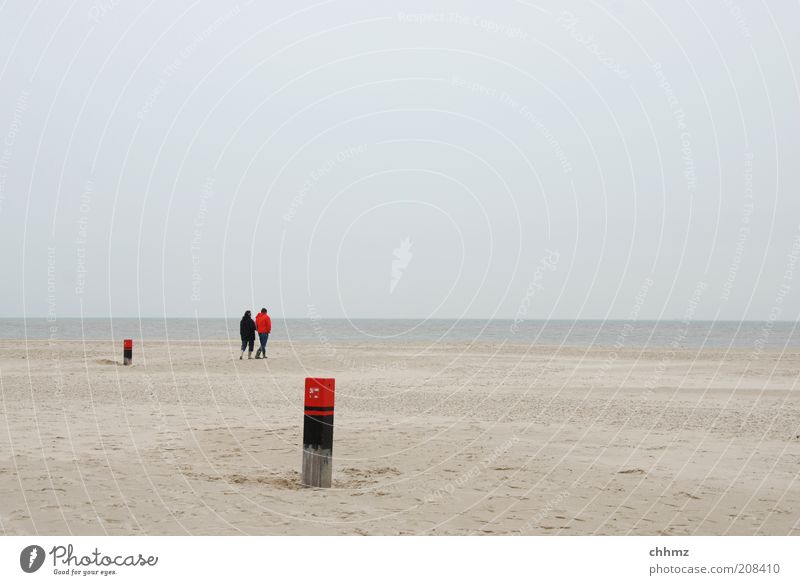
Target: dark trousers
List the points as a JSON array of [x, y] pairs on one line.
[[246, 342], [262, 338]]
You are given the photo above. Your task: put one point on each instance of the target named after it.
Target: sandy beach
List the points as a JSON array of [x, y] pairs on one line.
[[451, 438]]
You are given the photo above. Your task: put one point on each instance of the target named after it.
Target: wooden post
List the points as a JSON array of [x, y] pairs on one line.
[[127, 352], [318, 432]]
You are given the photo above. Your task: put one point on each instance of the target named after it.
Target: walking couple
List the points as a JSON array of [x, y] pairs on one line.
[[247, 330]]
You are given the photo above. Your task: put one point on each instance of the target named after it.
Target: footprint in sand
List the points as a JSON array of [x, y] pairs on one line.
[[688, 495]]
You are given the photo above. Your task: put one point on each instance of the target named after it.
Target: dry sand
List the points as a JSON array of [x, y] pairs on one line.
[[442, 439]]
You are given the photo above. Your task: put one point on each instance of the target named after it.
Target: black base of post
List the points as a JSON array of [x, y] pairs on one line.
[[127, 357], [317, 450]]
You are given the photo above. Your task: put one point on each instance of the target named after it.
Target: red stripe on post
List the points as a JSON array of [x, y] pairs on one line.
[[128, 344], [320, 393]]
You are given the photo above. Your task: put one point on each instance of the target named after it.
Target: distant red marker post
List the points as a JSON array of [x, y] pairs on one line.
[[318, 432], [127, 352]]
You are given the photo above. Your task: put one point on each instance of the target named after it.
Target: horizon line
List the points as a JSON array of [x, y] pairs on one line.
[[306, 318]]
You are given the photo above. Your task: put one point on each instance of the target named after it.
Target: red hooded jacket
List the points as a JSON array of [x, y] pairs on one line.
[[263, 323]]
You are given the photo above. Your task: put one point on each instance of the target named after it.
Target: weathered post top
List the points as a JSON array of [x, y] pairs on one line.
[[319, 397]]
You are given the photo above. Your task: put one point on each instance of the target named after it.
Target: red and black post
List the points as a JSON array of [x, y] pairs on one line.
[[318, 432], [127, 352]]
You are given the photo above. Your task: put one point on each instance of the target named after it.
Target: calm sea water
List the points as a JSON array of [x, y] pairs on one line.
[[719, 334]]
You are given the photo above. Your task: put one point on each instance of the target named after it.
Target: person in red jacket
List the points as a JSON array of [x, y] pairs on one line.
[[264, 327]]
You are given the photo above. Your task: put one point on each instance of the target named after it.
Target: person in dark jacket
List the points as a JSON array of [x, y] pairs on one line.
[[247, 330]]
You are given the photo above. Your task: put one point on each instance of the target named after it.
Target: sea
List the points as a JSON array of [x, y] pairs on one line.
[[578, 333]]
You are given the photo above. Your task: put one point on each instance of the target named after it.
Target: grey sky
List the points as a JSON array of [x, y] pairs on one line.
[[538, 159]]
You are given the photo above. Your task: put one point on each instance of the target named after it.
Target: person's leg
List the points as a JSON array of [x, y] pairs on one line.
[[264, 344], [244, 344], [250, 348]]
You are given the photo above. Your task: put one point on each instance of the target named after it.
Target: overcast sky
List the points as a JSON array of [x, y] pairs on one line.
[[612, 159]]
